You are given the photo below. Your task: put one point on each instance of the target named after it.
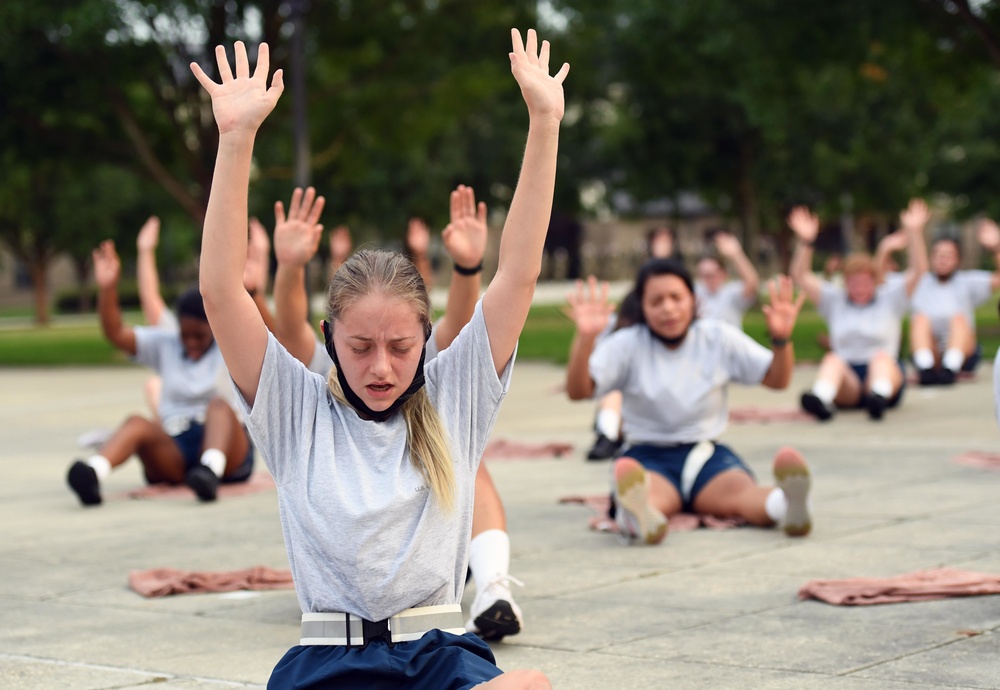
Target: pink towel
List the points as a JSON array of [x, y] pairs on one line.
[[161, 582], [977, 458], [500, 449], [258, 482], [763, 415], [924, 585], [679, 522]]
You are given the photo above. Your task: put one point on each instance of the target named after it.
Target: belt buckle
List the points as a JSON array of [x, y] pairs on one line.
[[373, 630]]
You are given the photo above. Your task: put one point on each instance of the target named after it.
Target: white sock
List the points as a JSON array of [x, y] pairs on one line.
[[215, 460], [489, 557], [924, 359], [953, 359], [776, 505], [825, 391], [101, 465], [882, 387], [609, 423]]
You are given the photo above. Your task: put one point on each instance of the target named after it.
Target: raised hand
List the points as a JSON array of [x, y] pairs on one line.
[[107, 265], [149, 235], [894, 242], [241, 103], [340, 244], [988, 234], [418, 237], [783, 310], [915, 216], [589, 307], [804, 224], [296, 236], [543, 94], [728, 245], [258, 258], [662, 244], [465, 236]]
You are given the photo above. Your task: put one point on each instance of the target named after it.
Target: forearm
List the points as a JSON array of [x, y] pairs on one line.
[[917, 260], [463, 293], [747, 273], [291, 312], [801, 272], [148, 279], [423, 264], [579, 385], [112, 325], [260, 300], [779, 375]]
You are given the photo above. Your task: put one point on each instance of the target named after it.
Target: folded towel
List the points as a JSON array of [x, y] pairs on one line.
[[258, 482], [161, 582], [500, 449], [924, 585]]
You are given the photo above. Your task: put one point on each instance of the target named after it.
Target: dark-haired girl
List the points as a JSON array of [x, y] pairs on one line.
[[197, 439], [673, 370]]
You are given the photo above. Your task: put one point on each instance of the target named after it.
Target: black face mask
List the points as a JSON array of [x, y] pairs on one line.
[[670, 342], [356, 402]]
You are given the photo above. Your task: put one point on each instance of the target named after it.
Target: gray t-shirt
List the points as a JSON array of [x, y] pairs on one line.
[[168, 321], [321, 362], [677, 395], [188, 385], [859, 332], [960, 294], [728, 303], [363, 532]]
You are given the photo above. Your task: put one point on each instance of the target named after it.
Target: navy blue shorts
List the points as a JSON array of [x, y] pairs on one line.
[[189, 442], [668, 461], [861, 370], [437, 661]]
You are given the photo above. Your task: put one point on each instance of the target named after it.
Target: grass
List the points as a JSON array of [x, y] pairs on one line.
[[547, 336]]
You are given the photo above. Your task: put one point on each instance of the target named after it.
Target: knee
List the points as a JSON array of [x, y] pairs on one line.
[[530, 680], [831, 359], [135, 422], [788, 454]]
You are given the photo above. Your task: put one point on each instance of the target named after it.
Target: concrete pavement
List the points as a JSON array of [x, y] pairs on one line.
[[703, 610]]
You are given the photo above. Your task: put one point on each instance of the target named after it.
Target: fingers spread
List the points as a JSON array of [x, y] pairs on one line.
[[316, 210], [242, 62], [203, 79], [263, 62], [531, 47], [279, 213], [543, 57], [225, 73], [562, 73], [516, 44]]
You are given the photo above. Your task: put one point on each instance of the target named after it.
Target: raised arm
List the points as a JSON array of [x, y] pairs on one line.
[[731, 249], [240, 105], [107, 271], [296, 241], [465, 241], [418, 241], [805, 225], [508, 298], [590, 311], [340, 249], [914, 219], [255, 272], [988, 234], [780, 315], [887, 246], [147, 276]]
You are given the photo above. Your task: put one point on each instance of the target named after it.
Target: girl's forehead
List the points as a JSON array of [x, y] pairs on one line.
[[377, 312], [665, 283]]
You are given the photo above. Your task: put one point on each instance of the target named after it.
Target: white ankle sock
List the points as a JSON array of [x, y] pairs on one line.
[[882, 387], [489, 557], [609, 423], [776, 505], [825, 391], [924, 359], [215, 460], [953, 359], [101, 465]]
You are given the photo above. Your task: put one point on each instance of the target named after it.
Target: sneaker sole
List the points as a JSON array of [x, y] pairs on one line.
[[80, 481], [633, 500], [816, 408], [795, 482], [205, 491], [497, 622]]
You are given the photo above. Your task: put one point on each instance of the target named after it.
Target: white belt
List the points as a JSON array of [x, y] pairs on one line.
[[335, 628], [693, 464]]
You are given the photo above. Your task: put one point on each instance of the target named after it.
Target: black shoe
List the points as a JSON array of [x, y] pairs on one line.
[[604, 448], [203, 482], [82, 478], [816, 407], [876, 405], [946, 377], [928, 377]]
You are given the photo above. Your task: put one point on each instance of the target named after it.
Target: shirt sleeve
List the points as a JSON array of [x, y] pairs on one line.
[[464, 388], [829, 295], [736, 297], [149, 344], [745, 360], [979, 285], [168, 321], [609, 362], [282, 420]]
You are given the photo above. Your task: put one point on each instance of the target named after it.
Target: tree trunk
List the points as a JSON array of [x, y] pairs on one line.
[[81, 266], [746, 199], [39, 280]]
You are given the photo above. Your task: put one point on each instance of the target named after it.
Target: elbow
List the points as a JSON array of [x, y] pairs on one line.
[[577, 391]]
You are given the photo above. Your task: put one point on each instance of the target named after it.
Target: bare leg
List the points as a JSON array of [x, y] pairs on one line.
[[157, 451], [960, 336], [922, 335], [487, 512], [152, 390], [884, 367], [518, 680], [223, 431], [733, 493]]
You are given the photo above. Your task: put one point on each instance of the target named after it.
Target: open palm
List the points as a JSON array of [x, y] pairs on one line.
[[242, 102], [783, 309], [107, 265], [589, 306], [465, 236], [542, 93], [296, 236], [804, 224]]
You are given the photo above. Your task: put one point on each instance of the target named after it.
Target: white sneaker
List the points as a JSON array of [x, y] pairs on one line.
[[638, 520], [494, 614]]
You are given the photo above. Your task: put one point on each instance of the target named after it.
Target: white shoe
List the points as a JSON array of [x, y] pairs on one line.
[[494, 614], [638, 520]]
